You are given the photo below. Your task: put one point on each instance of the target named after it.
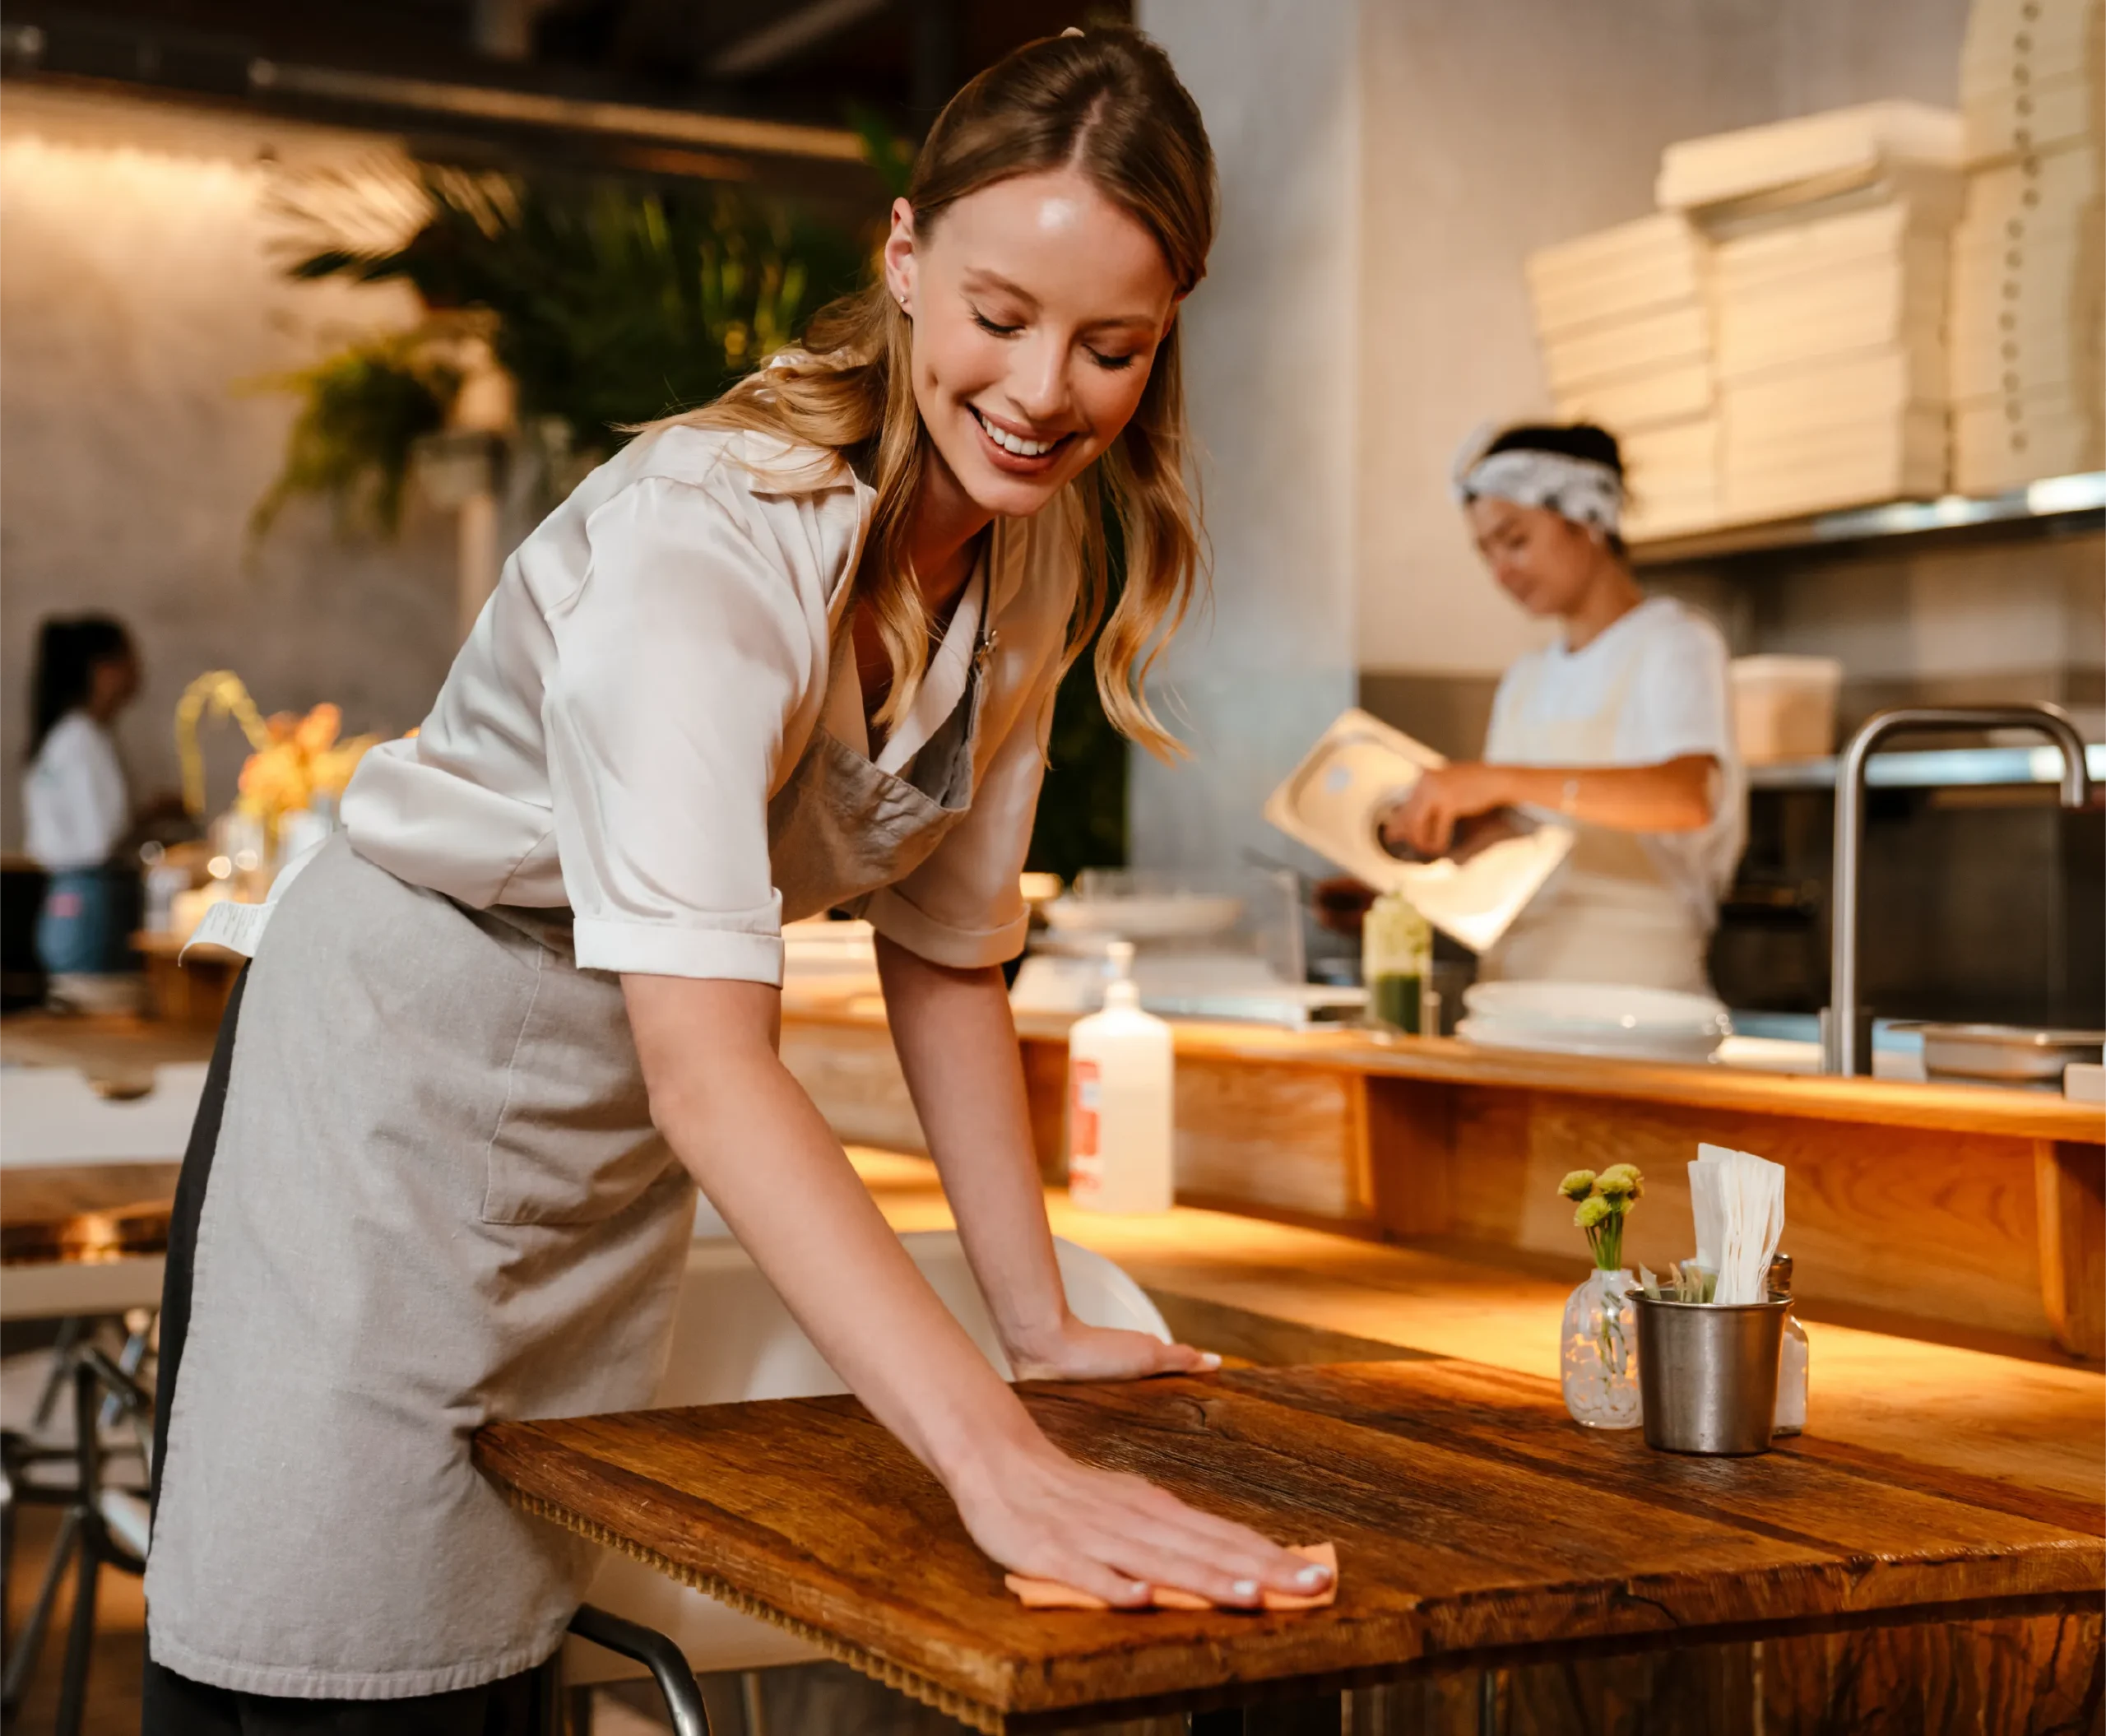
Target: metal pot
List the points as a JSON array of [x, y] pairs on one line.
[[2004, 1054], [1707, 1373]]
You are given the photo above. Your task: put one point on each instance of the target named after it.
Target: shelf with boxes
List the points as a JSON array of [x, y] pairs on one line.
[[1888, 303], [2053, 506]]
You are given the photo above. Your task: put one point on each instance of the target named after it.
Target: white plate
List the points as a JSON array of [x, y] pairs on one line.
[[1492, 1034], [1168, 916], [1600, 1011]]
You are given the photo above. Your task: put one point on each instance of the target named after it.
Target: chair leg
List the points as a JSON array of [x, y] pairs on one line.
[[81, 1638], [10, 1477], [657, 1654], [139, 1333], [72, 1330], [580, 1710], [22, 1658], [750, 1703]]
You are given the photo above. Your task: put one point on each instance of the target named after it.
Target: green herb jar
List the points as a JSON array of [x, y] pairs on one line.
[[1396, 958]]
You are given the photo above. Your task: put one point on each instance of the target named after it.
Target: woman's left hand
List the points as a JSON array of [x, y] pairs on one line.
[[1081, 1352], [1444, 795]]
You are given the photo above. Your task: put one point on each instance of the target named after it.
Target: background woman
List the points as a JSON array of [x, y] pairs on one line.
[[1622, 725], [76, 804], [794, 652]]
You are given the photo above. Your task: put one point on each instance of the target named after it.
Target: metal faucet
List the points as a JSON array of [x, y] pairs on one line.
[[1846, 1034]]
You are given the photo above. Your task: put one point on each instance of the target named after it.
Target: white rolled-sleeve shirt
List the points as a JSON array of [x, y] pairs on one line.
[[650, 668]]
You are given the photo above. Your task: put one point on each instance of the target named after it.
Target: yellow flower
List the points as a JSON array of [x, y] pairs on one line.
[[316, 733], [1578, 1184], [1626, 1178], [273, 780], [1591, 1213], [330, 772]]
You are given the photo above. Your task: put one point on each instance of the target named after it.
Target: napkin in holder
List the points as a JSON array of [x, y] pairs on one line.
[[1334, 800]]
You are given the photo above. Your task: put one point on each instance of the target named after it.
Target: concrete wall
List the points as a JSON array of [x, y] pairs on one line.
[[1271, 370], [138, 291]]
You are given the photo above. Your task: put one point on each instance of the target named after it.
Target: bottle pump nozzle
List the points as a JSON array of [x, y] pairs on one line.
[[1121, 990]]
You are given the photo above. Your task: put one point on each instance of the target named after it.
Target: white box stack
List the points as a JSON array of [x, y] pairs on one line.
[[1831, 264], [1623, 318], [2028, 327]]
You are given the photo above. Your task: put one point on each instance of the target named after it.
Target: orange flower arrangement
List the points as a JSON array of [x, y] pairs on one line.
[[302, 759]]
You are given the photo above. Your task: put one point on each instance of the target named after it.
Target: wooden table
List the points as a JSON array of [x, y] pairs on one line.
[[1474, 1522], [84, 1238]]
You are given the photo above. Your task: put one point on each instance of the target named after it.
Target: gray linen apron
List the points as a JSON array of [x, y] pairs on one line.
[[438, 1200]]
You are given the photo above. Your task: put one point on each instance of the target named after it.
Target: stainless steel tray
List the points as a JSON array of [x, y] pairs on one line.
[[1333, 802], [2011, 1055]]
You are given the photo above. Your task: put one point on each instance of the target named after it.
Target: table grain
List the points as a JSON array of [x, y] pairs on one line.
[[1473, 1520]]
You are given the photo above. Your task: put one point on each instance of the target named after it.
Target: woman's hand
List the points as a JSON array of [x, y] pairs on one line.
[[1039, 1512], [1444, 795], [1081, 1352]]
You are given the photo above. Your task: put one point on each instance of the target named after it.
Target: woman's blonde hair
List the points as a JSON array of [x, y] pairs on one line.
[[1108, 105]]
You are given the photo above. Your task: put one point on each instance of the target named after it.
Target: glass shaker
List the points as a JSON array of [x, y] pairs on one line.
[[1792, 1369], [1396, 961]]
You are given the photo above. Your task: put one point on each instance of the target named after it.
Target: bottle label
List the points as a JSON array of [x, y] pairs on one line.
[[1086, 1098]]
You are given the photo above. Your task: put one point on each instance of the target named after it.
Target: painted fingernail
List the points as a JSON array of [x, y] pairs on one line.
[[1313, 1575], [1245, 1588], [1209, 1361]]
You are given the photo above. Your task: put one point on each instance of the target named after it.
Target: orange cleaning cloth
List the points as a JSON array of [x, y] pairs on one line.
[[1052, 1594]]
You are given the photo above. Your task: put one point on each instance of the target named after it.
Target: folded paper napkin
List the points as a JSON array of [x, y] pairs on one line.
[[1052, 1594], [1739, 1201]]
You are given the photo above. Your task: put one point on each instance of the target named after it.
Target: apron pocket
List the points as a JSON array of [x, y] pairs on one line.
[[574, 1142]]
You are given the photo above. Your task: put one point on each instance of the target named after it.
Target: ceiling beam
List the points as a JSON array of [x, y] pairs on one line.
[[789, 36]]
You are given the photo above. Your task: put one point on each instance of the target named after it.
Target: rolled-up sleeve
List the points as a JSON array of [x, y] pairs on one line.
[[682, 662], [963, 907]]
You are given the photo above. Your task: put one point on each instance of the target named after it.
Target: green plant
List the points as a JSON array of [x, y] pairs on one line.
[[361, 411], [608, 303], [1603, 1201]]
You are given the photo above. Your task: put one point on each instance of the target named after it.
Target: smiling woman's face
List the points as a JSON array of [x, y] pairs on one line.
[[1037, 307]]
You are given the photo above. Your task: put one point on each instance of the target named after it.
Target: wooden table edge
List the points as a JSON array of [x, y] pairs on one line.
[[976, 1714]]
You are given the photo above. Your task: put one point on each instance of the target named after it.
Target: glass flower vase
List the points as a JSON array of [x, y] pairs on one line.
[[1598, 1360]]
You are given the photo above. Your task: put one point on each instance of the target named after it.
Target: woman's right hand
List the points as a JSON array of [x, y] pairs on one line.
[[1039, 1512]]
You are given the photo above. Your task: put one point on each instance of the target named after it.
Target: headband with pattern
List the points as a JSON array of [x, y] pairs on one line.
[[1578, 488]]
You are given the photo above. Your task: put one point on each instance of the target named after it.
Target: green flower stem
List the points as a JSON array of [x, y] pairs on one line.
[[1606, 1239]]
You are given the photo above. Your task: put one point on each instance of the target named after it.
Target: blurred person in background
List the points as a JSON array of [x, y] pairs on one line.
[[1622, 726], [77, 804]]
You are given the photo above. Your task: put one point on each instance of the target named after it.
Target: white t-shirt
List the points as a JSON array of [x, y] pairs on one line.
[[655, 656], [75, 803], [1650, 687]]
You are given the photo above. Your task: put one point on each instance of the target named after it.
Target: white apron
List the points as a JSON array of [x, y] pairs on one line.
[[436, 1199], [1607, 915]]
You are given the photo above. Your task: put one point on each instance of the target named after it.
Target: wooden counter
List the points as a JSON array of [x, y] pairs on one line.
[[1964, 1211]]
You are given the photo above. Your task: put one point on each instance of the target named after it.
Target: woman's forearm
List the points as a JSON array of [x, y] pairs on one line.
[[751, 1137], [1674, 796], [958, 1047]]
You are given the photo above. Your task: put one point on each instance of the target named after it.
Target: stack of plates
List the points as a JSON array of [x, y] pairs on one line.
[[2029, 269], [1624, 321], [1601, 1019]]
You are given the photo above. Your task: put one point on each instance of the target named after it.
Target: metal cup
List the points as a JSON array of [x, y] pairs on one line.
[[1707, 1374]]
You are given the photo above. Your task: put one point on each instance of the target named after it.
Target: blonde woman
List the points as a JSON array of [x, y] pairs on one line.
[[795, 651]]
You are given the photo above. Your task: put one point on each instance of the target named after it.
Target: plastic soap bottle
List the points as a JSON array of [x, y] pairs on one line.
[[1120, 1120], [1792, 1366]]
